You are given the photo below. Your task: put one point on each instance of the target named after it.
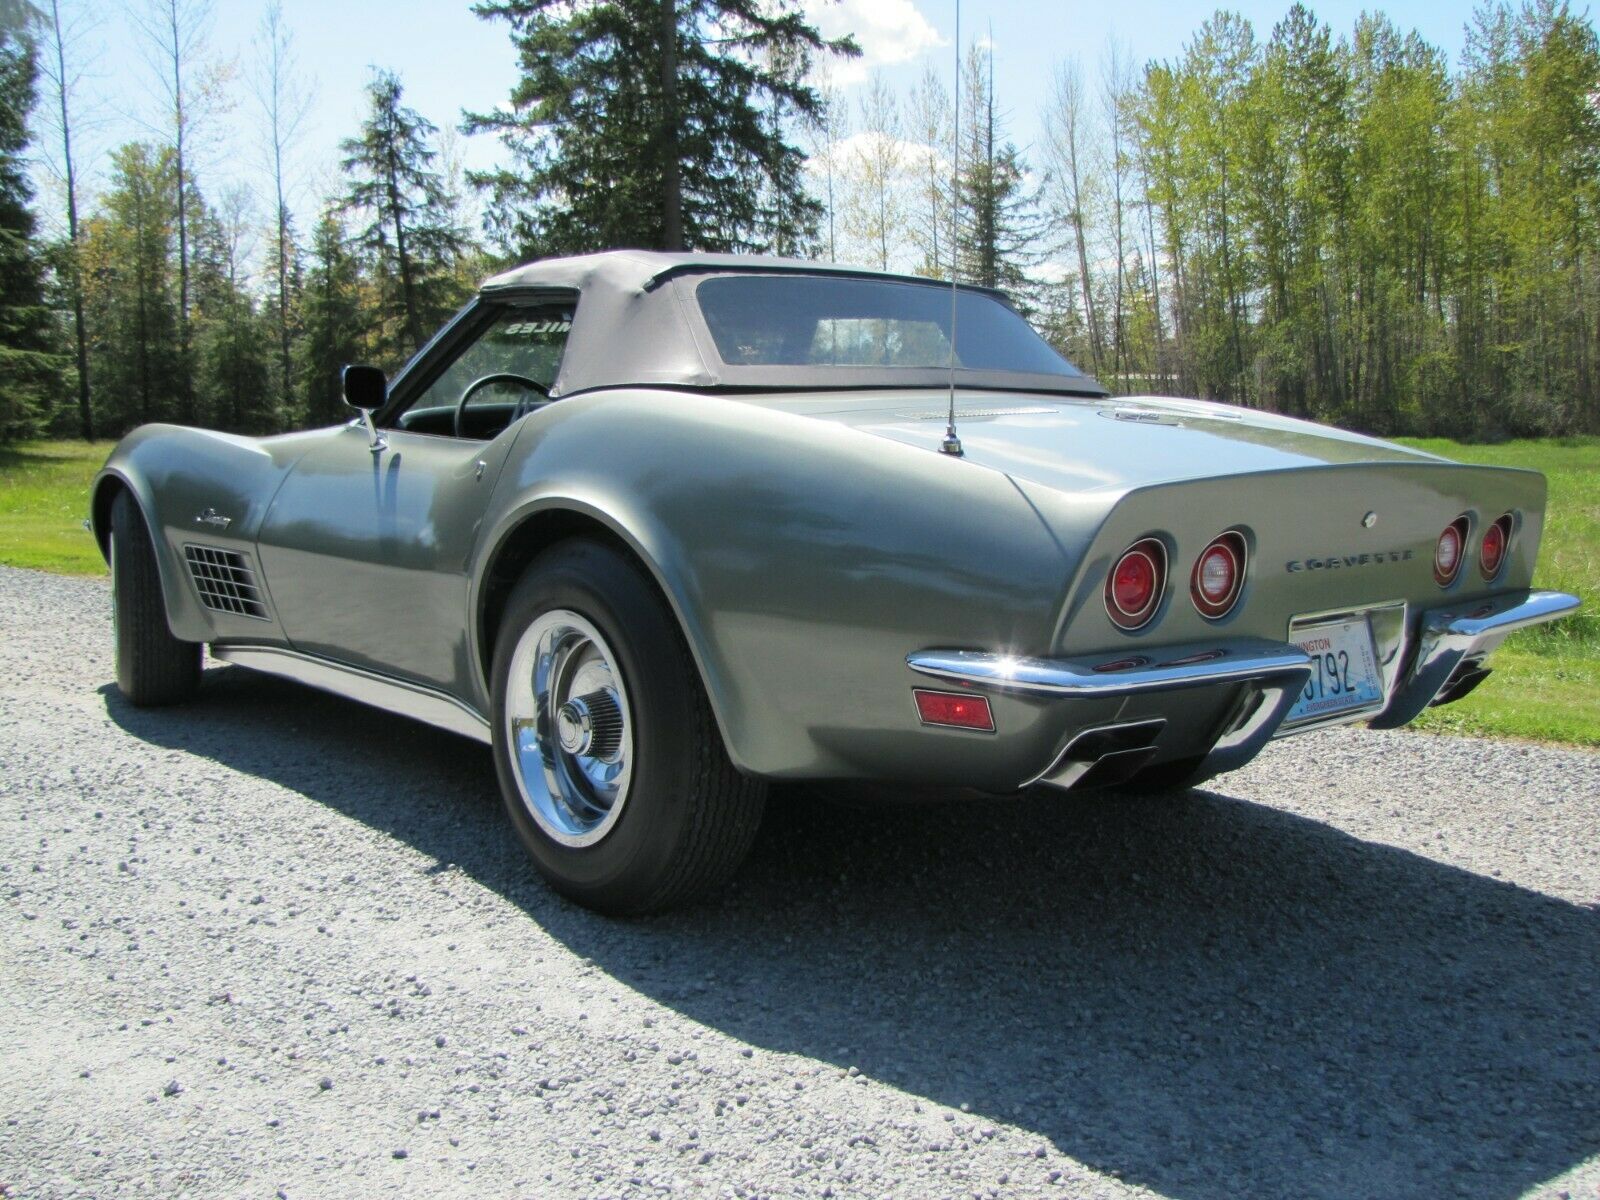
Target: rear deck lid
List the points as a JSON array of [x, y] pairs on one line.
[[1087, 444]]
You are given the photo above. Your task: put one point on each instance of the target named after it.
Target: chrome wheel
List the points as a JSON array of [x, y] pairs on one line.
[[568, 728]]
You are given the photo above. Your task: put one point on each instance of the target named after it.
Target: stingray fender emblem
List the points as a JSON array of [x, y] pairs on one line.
[[214, 519]]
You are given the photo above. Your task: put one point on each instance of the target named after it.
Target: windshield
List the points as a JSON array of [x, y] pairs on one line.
[[836, 321]]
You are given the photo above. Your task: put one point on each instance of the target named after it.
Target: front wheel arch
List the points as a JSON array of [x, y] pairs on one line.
[[153, 666], [100, 501]]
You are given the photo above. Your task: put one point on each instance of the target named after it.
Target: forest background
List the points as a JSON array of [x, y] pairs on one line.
[[1351, 225]]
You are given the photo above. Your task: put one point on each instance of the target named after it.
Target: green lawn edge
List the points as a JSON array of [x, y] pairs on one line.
[[44, 498]]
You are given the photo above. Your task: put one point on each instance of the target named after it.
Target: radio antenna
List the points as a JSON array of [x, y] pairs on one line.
[[952, 443]]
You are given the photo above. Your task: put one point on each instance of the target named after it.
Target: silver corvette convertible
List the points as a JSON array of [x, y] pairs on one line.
[[662, 529]]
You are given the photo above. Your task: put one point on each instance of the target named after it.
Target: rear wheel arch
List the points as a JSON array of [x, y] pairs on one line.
[[656, 813], [535, 533]]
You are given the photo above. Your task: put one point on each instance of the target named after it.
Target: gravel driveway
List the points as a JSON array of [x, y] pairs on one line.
[[276, 944]]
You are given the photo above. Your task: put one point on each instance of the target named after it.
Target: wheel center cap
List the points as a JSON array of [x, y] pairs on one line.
[[574, 726]]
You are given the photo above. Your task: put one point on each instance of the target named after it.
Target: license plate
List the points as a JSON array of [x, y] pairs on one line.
[[1345, 681]]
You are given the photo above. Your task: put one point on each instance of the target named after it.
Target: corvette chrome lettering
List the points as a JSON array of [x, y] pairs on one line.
[[1335, 561]]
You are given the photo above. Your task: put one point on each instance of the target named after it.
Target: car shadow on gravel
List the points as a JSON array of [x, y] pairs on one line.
[[1204, 996]]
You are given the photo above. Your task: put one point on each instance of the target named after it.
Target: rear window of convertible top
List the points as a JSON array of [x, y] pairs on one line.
[[836, 321]]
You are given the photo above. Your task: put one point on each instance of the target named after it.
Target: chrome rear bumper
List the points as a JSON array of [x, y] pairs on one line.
[[1454, 641], [1102, 675], [1450, 646], [1272, 672]]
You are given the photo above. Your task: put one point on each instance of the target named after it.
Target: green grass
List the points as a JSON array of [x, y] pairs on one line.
[[44, 497], [1546, 681], [1546, 684]]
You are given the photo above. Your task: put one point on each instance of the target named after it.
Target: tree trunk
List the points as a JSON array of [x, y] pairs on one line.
[[407, 291], [671, 178], [79, 333], [283, 294], [185, 377], [1157, 363]]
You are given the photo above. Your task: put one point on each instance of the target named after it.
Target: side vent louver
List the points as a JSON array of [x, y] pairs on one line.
[[225, 581]]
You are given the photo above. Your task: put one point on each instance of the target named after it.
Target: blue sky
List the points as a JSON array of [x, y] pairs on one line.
[[451, 60]]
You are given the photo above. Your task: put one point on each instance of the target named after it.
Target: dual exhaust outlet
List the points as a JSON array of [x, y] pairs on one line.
[[1104, 756]]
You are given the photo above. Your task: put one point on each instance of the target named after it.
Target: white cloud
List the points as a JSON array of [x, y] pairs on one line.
[[888, 32], [1055, 271], [912, 157]]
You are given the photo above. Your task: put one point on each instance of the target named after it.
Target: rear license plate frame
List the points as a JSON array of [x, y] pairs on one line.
[[1327, 636]]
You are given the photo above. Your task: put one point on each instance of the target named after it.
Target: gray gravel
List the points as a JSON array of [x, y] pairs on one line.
[[277, 944]]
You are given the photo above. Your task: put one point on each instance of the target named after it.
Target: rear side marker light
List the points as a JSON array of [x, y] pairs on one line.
[[1492, 550], [956, 710], [1135, 583], [1449, 552], [1218, 576]]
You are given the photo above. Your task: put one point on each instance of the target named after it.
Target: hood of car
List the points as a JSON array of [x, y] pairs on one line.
[[1089, 444]]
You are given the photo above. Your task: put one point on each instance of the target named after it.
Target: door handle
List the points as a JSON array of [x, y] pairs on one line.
[[478, 468]]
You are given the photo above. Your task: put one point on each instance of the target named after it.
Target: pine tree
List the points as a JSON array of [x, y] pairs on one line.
[[332, 320], [232, 339], [652, 123], [130, 291], [408, 233], [30, 361], [997, 230]]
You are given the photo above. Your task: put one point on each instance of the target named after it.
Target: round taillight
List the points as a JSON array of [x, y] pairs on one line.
[[1133, 589], [1218, 576], [1492, 551], [1447, 553]]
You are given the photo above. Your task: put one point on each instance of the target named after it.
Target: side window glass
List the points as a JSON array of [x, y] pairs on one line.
[[522, 341]]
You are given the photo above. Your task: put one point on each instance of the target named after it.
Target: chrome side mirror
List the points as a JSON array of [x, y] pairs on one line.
[[366, 389]]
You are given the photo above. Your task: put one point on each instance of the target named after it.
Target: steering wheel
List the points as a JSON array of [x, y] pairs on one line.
[[484, 381]]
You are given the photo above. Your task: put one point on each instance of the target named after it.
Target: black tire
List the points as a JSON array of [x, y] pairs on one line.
[[688, 818], [153, 667]]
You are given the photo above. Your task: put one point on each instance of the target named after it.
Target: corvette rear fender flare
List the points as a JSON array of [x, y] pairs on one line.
[[539, 523]]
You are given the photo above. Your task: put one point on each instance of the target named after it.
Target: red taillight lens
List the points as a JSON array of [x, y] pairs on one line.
[[1447, 553], [1134, 583], [1218, 576], [955, 709], [1492, 551], [1133, 588]]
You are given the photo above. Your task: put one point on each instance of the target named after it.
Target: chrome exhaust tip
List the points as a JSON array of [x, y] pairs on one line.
[[1104, 756]]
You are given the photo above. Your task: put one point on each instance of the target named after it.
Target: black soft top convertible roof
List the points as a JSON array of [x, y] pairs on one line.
[[634, 327]]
